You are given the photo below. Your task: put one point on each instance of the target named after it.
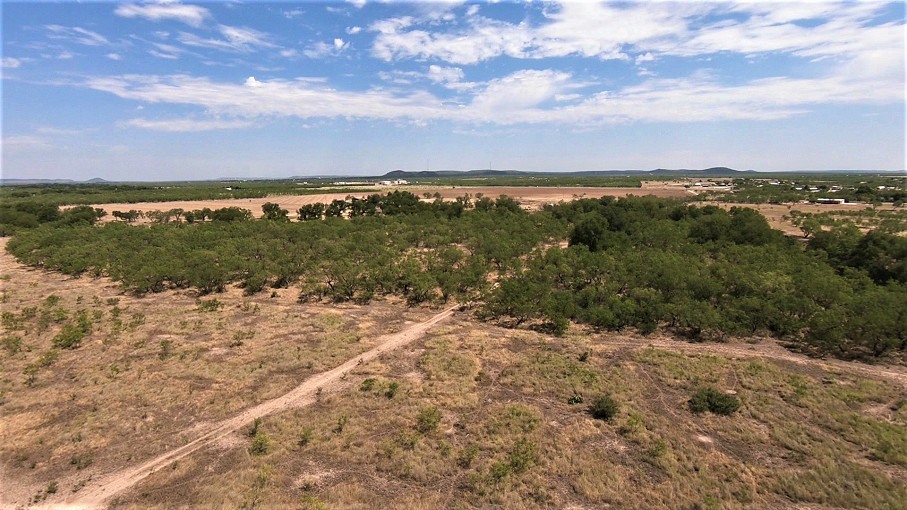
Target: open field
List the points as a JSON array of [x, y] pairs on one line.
[[531, 197], [778, 215], [468, 415]]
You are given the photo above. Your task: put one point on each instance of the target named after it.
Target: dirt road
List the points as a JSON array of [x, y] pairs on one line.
[[94, 494]]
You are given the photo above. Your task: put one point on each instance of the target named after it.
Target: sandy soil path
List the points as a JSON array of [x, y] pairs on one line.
[[103, 488]]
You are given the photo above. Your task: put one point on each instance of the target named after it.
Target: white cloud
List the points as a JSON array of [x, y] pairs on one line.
[[357, 3], [76, 34], [528, 96], [10, 63], [236, 39], [353, 30], [184, 125], [322, 49], [113, 56], [295, 13], [844, 33], [166, 51], [647, 57], [289, 53], [192, 15], [24, 143]]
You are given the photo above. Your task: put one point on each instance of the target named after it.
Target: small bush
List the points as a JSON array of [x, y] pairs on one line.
[[253, 430], [466, 456], [604, 408], [261, 444], [69, 337], [524, 455], [428, 419], [341, 423], [392, 389], [211, 305], [306, 437], [712, 400], [368, 384], [12, 344], [576, 398]]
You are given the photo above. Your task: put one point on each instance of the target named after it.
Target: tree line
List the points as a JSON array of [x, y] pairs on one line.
[[635, 263]]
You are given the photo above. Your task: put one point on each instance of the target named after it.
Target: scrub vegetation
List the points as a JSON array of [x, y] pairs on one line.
[[637, 262], [608, 352]]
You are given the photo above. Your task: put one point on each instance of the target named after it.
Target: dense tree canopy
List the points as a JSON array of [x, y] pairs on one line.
[[641, 263]]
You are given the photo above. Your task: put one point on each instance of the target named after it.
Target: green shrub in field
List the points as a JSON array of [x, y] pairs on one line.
[[712, 400], [12, 344], [392, 389], [604, 408], [368, 384], [69, 337], [261, 444], [428, 419]]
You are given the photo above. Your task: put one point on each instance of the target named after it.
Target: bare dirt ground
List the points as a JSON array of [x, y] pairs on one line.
[[96, 493], [531, 197]]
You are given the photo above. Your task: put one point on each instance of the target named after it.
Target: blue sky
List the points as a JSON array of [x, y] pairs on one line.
[[173, 91]]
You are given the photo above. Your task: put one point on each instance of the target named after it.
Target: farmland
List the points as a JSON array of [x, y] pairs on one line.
[[632, 351]]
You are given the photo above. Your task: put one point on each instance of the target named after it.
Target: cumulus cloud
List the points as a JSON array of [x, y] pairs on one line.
[[11, 63], [114, 56], [192, 15], [353, 30]]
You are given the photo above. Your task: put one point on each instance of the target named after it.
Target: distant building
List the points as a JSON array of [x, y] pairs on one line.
[[830, 201]]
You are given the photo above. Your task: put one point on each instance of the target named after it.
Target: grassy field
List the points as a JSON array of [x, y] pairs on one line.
[[472, 415]]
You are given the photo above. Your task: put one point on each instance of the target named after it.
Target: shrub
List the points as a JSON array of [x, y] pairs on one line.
[[428, 419], [261, 444], [392, 389], [12, 344], [576, 398], [210, 305], [368, 384], [604, 408], [253, 430], [712, 400], [306, 437], [524, 455], [466, 456], [69, 337], [341, 423]]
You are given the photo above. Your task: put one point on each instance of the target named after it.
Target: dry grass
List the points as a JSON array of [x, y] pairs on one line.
[[809, 433]]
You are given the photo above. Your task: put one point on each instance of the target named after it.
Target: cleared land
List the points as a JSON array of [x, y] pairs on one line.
[[778, 215], [531, 197], [468, 415]]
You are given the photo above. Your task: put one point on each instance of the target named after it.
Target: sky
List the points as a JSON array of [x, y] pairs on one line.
[[189, 91]]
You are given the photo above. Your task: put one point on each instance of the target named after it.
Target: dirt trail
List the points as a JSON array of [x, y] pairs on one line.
[[97, 492]]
